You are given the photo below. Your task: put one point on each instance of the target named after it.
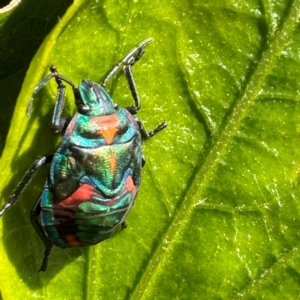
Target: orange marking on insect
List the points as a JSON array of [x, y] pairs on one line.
[[108, 126], [113, 162], [108, 134], [72, 240]]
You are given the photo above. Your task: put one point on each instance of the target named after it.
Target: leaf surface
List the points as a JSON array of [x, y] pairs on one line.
[[217, 215]]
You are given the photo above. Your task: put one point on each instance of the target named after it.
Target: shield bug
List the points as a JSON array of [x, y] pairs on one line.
[[96, 171]]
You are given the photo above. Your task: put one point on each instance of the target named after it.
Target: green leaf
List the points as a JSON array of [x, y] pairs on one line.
[[217, 215]]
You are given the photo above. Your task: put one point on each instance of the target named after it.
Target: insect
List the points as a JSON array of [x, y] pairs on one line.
[[96, 171]]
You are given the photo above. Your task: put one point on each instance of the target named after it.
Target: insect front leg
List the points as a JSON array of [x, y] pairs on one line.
[[133, 56], [58, 123], [35, 212], [133, 89], [25, 181], [126, 64]]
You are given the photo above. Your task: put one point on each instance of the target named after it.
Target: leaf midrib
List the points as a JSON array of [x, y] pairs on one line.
[[196, 191]]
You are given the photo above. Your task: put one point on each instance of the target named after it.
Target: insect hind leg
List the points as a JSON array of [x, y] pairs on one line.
[[34, 214]]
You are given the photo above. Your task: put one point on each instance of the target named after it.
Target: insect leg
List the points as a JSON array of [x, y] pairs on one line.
[[133, 56], [58, 123], [133, 89], [148, 134], [35, 212], [41, 84], [25, 181], [124, 224], [127, 68]]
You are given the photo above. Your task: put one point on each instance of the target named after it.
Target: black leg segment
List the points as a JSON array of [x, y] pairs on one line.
[[130, 59], [133, 89], [148, 134], [25, 181], [126, 64], [35, 212], [58, 123], [124, 224]]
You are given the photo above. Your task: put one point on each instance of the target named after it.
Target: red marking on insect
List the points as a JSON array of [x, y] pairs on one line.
[[70, 128], [130, 185], [72, 240], [82, 194], [86, 193]]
